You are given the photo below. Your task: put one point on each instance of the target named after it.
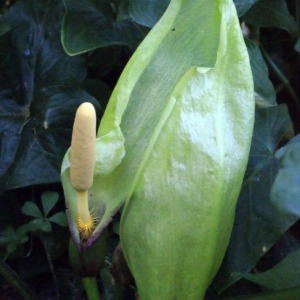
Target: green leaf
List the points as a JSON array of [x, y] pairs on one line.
[[12, 239], [6, 235], [243, 5], [32, 210], [39, 94], [297, 45], [49, 199], [258, 225], [284, 275], [285, 192], [60, 219], [40, 224], [272, 13], [45, 226], [91, 24], [262, 84], [147, 12]]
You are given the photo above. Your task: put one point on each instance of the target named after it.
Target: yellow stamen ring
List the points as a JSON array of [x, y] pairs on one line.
[[86, 229]]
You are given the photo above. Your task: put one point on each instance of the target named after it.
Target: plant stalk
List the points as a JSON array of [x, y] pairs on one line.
[[281, 76], [91, 288]]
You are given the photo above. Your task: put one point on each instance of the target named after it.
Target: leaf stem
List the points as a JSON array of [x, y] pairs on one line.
[[91, 288], [281, 76], [51, 266], [16, 282]]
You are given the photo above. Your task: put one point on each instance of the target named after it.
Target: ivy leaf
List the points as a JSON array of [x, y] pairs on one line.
[[91, 24], [262, 84], [60, 219], [284, 275], [39, 94], [243, 5], [32, 210], [147, 12], [285, 192], [49, 199], [258, 225], [272, 13]]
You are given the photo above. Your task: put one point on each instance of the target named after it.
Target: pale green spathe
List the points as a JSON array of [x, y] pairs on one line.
[[179, 213]]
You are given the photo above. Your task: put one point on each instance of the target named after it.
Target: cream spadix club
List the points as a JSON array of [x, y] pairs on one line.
[[82, 160]]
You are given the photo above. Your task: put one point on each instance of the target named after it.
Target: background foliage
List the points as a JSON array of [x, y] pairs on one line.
[[55, 55]]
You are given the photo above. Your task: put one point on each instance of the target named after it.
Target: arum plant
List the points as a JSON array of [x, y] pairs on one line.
[[173, 144], [85, 263], [82, 165]]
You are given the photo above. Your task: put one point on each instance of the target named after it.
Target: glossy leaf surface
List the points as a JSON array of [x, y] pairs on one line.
[[90, 24], [40, 92], [262, 84], [243, 5], [147, 12], [272, 13], [285, 192]]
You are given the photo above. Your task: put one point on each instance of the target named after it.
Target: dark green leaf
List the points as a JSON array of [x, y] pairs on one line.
[[285, 192], [271, 13], [59, 218], [91, 24], [32, 210], [23, 229], [284, 275], [287, 244], [147, 12], [243, 5], [12, 239], [46, 226], [4, 28], [262, 84], [6, 235], [40, 224], [297, 46], [257, 224], [39, 94], [49, 199]]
